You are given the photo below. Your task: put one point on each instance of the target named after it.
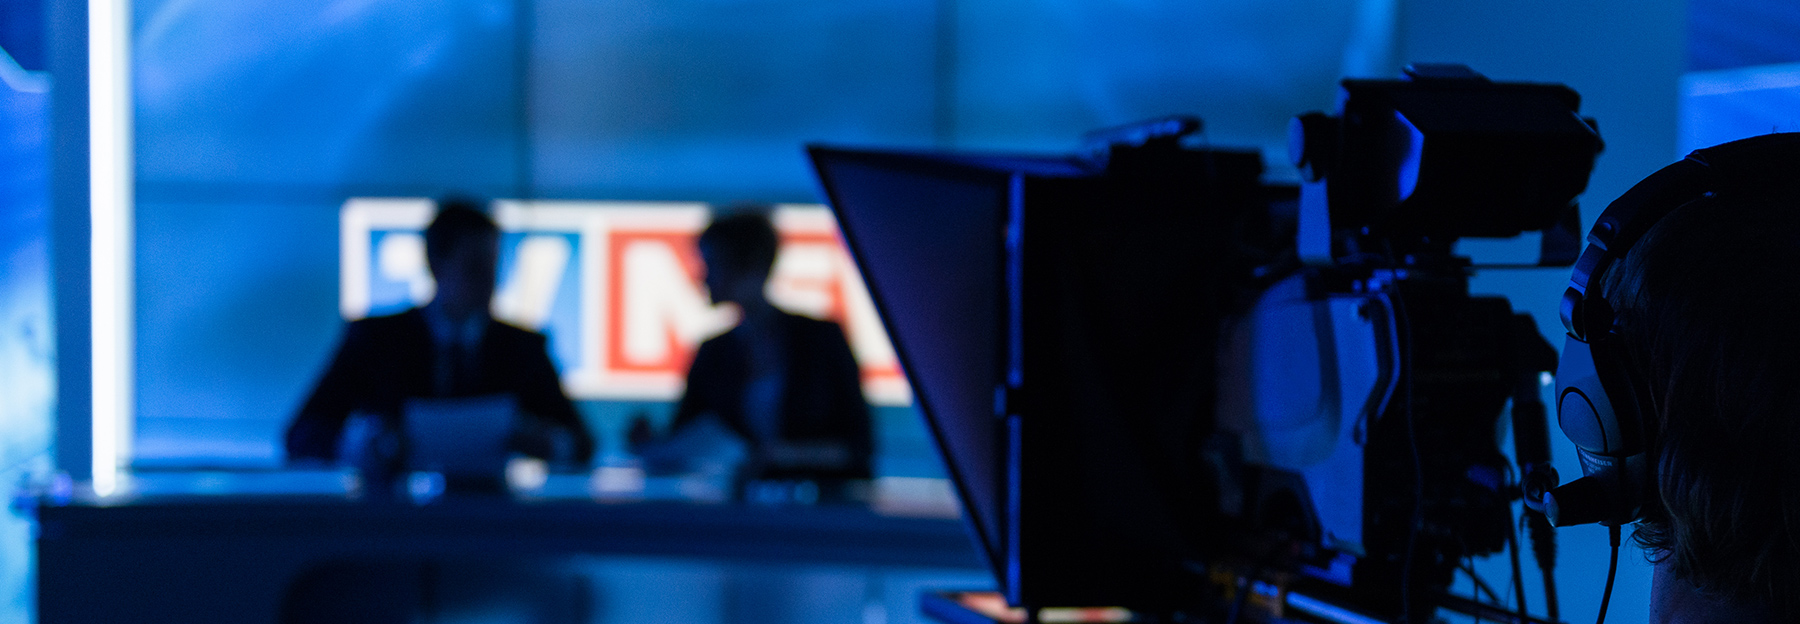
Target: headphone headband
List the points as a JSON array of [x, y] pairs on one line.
[[1743, 166], [1618, 229]]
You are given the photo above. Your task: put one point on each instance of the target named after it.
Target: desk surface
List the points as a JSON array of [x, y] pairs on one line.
[[822, 533], [198, 559]]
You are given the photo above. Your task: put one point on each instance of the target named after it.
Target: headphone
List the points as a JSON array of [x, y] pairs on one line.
[[1603, 404]]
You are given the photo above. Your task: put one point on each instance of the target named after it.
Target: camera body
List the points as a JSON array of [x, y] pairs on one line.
[[1360, 393], [1148, 370], [1443, 154]]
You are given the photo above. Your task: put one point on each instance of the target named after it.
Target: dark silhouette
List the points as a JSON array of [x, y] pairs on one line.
[[1704, 324], [786, 384], [451, 347]]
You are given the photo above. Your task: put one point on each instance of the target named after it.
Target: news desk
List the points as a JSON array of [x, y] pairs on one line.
[[231, 558]]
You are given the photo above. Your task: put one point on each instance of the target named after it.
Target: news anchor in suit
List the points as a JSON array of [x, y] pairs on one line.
[[450, 347], [785, 384]]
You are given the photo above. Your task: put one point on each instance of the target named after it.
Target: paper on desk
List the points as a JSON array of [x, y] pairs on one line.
[[703, 446], [460, 435]]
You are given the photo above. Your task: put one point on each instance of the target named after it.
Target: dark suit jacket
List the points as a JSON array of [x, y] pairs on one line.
[[385, 360], [821, 402]]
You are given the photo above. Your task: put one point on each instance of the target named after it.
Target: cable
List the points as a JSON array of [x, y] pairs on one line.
[[1507, 592], [1467, 566], [1555, 611], [1412, 436], [1611, 569], [1480, 583], [1543, 546], [1512, 550], [1476, 582]]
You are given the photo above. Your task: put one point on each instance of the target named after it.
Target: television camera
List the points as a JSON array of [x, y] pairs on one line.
[[1162, 384]]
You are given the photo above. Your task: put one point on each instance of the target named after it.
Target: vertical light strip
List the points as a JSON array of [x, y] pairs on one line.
[[110, 179]]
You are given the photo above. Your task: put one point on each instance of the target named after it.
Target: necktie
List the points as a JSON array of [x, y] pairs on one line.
[[462, 367]]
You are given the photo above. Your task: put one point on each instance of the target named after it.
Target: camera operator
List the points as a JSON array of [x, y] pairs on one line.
[[1701, 329]]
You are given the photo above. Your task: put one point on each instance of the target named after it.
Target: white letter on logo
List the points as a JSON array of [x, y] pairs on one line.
[[529, 291], [662, 305]]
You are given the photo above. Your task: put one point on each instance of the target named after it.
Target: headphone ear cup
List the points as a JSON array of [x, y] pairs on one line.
[[1584, 408], [1599, 407], [1631, 409], [1635, 411]]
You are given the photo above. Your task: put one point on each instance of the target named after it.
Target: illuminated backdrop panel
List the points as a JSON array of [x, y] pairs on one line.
[[27, 344], [258, 119]]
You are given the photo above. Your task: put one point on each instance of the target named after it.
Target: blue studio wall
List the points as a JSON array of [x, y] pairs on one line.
[[1744, 72], [27, 339], [254, 121], [257, 119]]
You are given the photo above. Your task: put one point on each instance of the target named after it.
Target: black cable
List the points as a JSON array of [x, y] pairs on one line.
[[1412, 437], [1493, 597], [1531, 446], [1507, 592], [1476, 582], [1518, 571], [1543, 545], [1611, 569], [1468, 567], [1543, 548], [1555, 612]]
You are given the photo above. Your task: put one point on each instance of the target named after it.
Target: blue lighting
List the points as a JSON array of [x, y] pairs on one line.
[[27, 344]]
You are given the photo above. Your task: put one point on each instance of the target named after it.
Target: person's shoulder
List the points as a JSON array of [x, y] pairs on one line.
[[811, 328], [504, 330], [723, 341], [387, 324], [410, 315], [807, 323]]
